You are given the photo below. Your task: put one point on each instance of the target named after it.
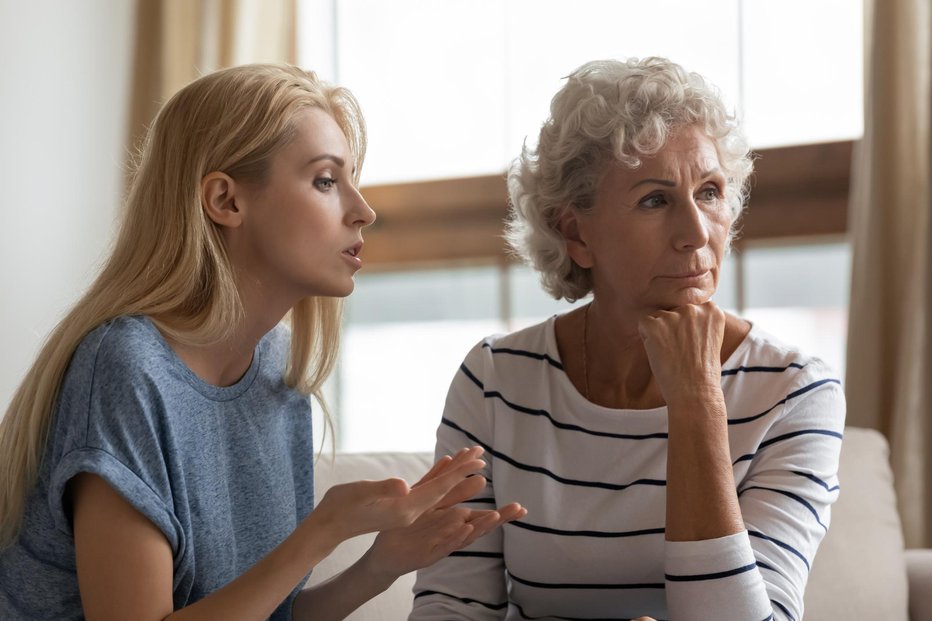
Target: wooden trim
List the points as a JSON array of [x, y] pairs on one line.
[[796, 191]]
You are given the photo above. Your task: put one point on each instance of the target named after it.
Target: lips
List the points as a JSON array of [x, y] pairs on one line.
[[354, 250], [690, 274]]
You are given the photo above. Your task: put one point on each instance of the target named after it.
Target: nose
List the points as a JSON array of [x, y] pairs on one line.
[[690, 230], [360, 212]]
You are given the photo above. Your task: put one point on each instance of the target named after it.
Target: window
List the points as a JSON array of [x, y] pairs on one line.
[[452, 88]]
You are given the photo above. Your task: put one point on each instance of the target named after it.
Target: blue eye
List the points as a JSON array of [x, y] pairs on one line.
[[324, 183]]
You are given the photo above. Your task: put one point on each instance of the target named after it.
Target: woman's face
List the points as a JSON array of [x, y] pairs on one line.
[[656, 235], [301, 230]]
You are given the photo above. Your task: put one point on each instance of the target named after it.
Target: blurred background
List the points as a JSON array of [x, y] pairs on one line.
[[451, 90]]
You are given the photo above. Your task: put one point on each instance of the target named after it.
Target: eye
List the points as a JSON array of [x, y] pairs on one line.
[[324, 183], [653, 201], [710, 193]]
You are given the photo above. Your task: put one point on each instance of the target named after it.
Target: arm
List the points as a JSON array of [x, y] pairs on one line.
[[468, 585], [125, 565], [738, 553]]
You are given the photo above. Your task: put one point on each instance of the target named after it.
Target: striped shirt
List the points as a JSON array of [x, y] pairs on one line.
[[593, 480]]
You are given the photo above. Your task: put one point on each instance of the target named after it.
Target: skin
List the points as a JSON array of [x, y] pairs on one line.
[[287, 238], [654, 241]]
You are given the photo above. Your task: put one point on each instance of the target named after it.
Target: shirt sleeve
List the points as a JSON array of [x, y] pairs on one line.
[[108, 425], [785, 501], [469, 584]]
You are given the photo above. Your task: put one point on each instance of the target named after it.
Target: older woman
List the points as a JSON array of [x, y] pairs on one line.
[[676, 461]]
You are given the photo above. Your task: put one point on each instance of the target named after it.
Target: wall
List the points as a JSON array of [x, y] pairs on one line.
[[64, 83]]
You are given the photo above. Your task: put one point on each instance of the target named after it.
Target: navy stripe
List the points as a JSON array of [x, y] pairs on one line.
[[816, 479], [544, 471], [585, 533], [783, 608], [798, 499], [599, 586], [469, 374], [528, 354], [792, 395], [713, 576], [781, 544], [476, 554], [524, 615], [792, 365], [494, 394], [546, 414], [465, 600], [787, 436], [764, 565]]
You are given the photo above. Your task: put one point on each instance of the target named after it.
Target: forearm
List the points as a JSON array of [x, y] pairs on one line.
[[337, 597], [702, 502], [258, 592]]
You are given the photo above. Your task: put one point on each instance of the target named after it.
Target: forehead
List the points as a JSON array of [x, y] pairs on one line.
[[317, 133], [688, 153]]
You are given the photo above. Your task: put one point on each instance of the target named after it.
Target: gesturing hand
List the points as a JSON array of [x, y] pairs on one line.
[[440, 530], [684, 348], [368, 506]]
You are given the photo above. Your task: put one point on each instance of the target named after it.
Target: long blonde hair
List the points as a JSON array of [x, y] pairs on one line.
[[168, 260]]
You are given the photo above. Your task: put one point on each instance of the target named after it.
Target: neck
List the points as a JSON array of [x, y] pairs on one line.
[[616, 370], [223, 363]]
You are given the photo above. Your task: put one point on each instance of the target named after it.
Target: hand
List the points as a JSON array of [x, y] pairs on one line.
[[367, 506], [440, 530], [684, 348]]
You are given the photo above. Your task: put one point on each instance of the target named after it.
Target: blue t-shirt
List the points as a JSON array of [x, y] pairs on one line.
[[225, 473]]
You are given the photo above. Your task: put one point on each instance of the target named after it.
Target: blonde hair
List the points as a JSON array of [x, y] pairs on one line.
[[609, 110], [169, 262]]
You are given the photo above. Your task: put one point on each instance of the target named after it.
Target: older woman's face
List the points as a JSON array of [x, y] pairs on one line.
[[656, 236]]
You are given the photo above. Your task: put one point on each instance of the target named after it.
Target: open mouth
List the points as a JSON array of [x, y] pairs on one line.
[[354, 250]]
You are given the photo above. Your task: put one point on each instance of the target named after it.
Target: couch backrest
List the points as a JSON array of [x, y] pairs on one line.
[[859, 572]]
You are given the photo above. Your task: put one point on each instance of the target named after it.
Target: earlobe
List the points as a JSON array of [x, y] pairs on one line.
[[218, 199], [576, 246]]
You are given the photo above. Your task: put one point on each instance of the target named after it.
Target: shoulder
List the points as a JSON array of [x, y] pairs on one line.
[[535, 342], [121, 346], [766, 372]]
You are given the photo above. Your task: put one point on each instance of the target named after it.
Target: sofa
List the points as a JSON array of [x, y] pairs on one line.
[[861, 572]]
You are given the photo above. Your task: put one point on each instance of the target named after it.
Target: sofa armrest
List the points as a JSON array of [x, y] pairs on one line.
[[919, 570]]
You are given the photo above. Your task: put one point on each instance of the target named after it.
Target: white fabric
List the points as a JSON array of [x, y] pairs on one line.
[[593, 480]]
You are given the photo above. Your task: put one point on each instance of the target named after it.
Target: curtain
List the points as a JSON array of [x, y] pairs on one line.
[[889, 360], [178, 40]]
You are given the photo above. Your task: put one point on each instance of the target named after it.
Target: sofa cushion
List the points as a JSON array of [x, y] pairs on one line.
[[860, 570]]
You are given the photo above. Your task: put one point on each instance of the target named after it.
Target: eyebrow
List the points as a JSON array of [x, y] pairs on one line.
[[670, 184], [339, 161]]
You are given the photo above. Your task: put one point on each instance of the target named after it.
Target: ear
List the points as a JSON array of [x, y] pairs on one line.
[[569, 227], [218, 199]]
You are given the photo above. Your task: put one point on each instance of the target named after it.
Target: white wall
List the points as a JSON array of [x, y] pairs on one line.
[[64, 82]]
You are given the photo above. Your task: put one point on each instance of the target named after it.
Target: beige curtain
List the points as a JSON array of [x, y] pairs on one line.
[[178, 40], [889, 366]]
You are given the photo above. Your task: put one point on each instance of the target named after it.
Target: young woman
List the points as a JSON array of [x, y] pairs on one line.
[[157, 459]]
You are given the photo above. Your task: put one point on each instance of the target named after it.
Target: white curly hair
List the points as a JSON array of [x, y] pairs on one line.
[[609, 109]]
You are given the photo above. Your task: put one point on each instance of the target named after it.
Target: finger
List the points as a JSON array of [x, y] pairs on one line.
[[439, 466], [431, 492], [448, 462], [511, 512], [463, 491]]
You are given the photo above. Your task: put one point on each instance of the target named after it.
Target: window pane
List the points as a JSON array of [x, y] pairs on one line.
[[802, 74], [430, 79], [545, 42], [405, 336], [800, 294]]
